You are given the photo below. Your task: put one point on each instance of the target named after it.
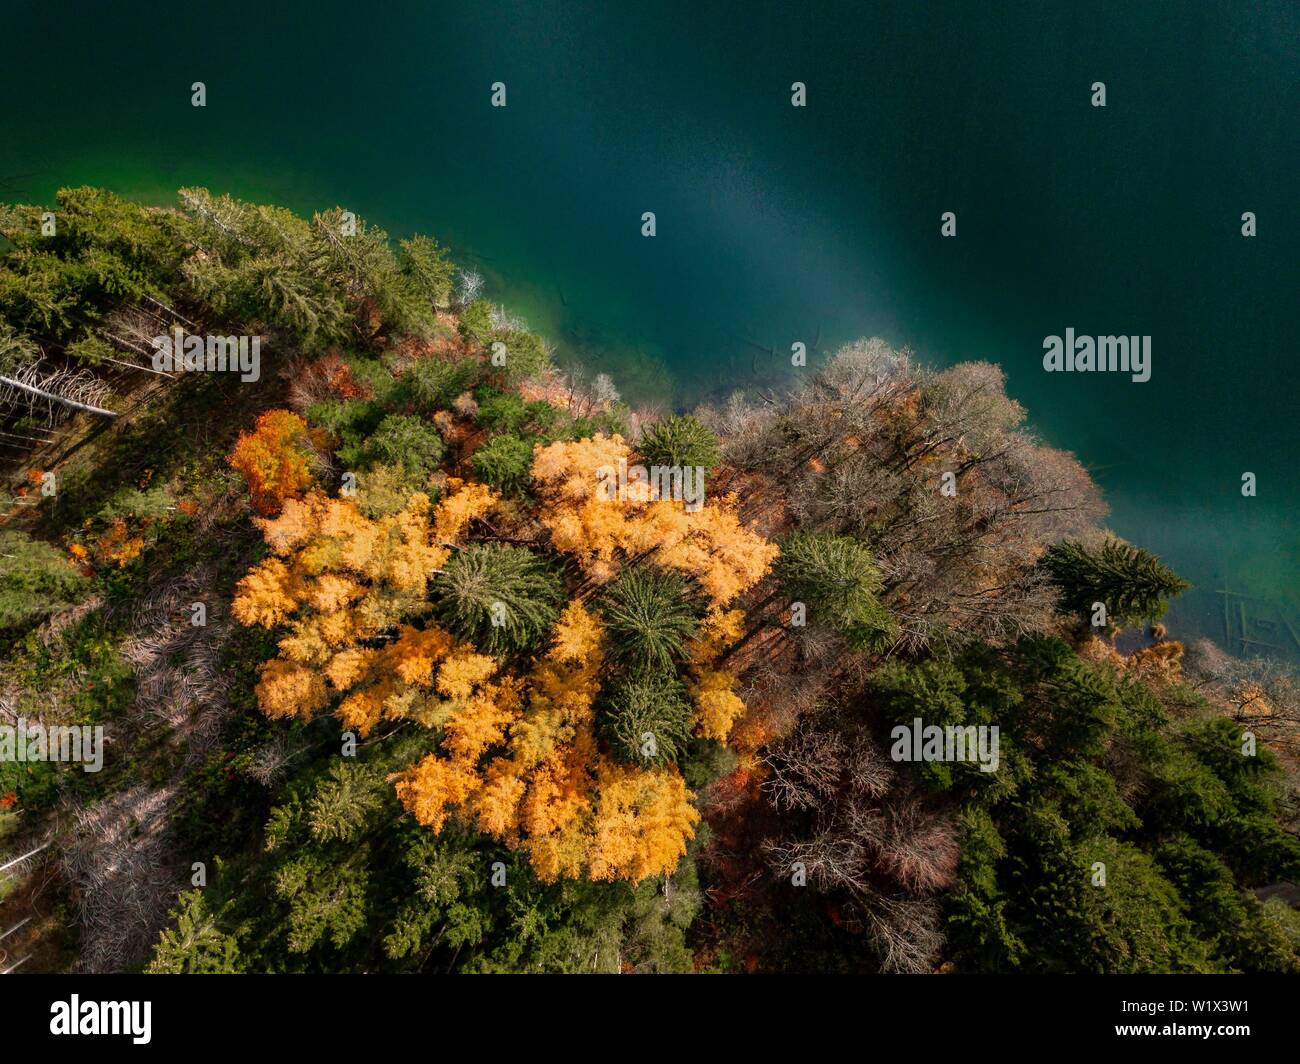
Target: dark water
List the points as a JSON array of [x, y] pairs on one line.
[[778, 224]]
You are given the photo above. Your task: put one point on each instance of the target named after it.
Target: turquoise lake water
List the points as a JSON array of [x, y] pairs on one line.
[[778, 224]]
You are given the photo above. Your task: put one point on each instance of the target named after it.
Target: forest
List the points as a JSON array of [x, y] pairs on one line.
[[387, 683]]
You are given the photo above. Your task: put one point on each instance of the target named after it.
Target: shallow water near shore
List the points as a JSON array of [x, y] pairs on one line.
[[778, 224]]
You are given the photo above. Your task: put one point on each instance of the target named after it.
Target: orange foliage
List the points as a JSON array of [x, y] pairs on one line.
[[338, 377], [548, 790], [337, 578], [517, 755], [117, 546], [709, 544], [1160, 664], [275, 459]]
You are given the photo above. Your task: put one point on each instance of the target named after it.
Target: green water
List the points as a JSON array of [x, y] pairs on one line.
[[776, 223]]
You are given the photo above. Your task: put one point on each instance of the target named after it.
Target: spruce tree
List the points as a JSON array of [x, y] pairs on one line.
[[650, 617], [647, 719], [500, 598], [1133, 584], [35, 579], [680, 441]]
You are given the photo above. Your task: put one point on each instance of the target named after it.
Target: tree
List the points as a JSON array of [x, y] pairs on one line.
[[680, 441], [336, 581], [525, 354], [195, 945], [276, 459], [711, 544], [476, 320], [505, 462], [434, 384], [646, 719], [837, 578], [499, 597], [35, 579], [932, 472], [262, 263], [1132, 583], [429, 269], [650, 617], [406, 441], [864, 838]]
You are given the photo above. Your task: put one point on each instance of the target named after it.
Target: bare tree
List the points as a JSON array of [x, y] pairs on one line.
[[856, 829]]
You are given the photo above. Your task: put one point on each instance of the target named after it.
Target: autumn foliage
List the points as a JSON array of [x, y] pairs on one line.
[[337, 579], [709, 544], [548, 789], [276, 459], [519, 753]]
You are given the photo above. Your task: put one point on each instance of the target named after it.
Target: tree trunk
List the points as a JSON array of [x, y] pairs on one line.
[[71, 403]]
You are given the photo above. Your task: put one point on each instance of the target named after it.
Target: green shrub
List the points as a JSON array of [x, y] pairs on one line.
[[476, 321], [35, 579]]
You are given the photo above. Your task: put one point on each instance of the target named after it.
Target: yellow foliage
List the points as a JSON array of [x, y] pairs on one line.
[[717, 706], [709, 544], [267, 595], [348, 667], [642, 823], [718, 629], [461, 671], [577, 634], [337, 578], [517, 754], [549, 790], [482, 720], [362, 709], [461, 505]]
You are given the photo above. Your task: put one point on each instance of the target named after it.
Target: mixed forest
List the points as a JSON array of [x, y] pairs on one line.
[[388, 684]]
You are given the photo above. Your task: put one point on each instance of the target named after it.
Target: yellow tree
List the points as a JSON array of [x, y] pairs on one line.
[[337, 578], [709, 543]]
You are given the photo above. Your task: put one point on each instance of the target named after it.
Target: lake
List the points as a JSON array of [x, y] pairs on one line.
[[778, 224]]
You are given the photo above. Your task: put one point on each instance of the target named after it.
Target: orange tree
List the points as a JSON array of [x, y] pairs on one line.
[[275, 458]]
